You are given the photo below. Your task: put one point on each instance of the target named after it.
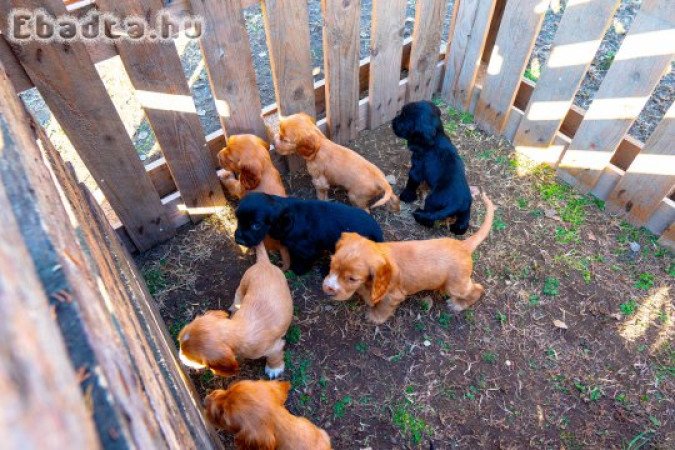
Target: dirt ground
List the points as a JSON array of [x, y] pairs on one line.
[[572, 346]]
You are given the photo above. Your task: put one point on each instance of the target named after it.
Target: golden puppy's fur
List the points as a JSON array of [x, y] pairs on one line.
[[254, 411], [248, 156], [331, 164], [263, 312], [385, 274]]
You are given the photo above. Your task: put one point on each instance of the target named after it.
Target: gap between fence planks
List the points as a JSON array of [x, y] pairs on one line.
[[341, 41], [463, 58], [622, 95], [577, 40], [386, 41], [39, 388], [426, 41], [287, 33], [517, 33], [227, 55], [650, 177], [156, 73], [83, 108]]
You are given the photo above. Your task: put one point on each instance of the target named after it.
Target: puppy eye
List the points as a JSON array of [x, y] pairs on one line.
[[255, 226], [353, 279]]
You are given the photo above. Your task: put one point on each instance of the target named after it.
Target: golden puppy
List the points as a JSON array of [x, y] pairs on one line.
[[263, 311], [254, 411], [331, 164], [385, 274], [248, 156]]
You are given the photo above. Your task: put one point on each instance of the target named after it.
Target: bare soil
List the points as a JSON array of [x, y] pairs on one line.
[[571, 347]]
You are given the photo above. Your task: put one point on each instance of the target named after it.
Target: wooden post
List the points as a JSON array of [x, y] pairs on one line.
[[622, 95], [155, 70], [517, 34], [42, 405], [463, 57], [386, 45], [71, 87], [287, 32], [577, 40], [341, 60], [227, 54], [425, 46]]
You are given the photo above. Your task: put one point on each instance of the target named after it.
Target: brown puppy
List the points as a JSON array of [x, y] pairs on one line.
[[331, 164], [254, 411], [248, 156], [264, 310], [385, 274]]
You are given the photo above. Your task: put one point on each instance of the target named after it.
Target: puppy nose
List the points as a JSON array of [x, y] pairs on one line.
[[328, 289]]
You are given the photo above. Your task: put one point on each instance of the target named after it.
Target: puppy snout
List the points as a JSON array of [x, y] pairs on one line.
[[331, 286]]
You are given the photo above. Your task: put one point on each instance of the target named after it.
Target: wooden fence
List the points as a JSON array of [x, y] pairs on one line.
[[87, 344], [480, 70]]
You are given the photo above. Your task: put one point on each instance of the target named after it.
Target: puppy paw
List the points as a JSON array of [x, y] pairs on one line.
[[375, 318], [274, 373], [408, 196], [455, 307], [422, 219]]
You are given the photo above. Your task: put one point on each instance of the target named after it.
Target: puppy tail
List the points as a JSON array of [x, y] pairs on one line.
[[479, 236], [261, 253], [388, 196]]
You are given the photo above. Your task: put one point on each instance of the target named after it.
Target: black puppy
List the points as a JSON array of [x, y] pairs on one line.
[[436, 161], [307, 228]]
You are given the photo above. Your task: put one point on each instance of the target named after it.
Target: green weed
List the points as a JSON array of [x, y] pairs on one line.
[[297, 370], [551, 286], [340, 407], [606, 60], [498, 224], [522, 202], [489, 357], [501, 317], [534, 300], [566, 236], [155, 279], [408, 423], [361, 347], [645, 281], [444, 319], [628, 308], [293, 334]]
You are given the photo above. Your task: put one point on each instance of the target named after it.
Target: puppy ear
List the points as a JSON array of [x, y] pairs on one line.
[[309, 142], [280, 390], [263, 142], [381, 280], [215, 408], [426, 128], [250, 174], [226, 364], [222, 160]]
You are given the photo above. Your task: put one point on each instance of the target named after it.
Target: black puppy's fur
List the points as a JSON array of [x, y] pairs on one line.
[[307, 228], [435, 161]]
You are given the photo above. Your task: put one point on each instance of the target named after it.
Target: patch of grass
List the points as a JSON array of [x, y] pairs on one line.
[[645, 281], [640, 440], [498, 224], [293, 334], [485, 154], [460, 116], [174, 330], [567, 236], [501, 317], [534, 300], [155, 279], [588, 393], [522, 202], [671, 270], [293, 280], [206, 376], [444, 319], [574, 261], [606, 60], [471, 392], [404, 418], [340, 407], [551, 354], [531, 75], [553, 191], [361, 347], [629, 307], [469, 316], [297, 369], [551, 286], [489, 357], [450, 127]]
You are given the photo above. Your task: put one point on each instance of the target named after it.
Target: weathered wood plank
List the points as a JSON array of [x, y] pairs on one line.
[[39, 390], [426, 37], [645, 54], [386, 45], [156, 73], [650, 177], [463, 58], [517, 34], [17, 76], [227, 54], [89, 118], [341, 59], [578, 37]]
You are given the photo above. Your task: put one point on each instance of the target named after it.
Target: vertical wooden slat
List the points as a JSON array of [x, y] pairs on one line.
[[156, 73], [425, 47], [287, 32], [578, 37], [645, 54], [71, 87], [341, 59], [386, 43], [227, 54], [466, 47], [651, 175], [17, 76], [517, 34], [42, 405]]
